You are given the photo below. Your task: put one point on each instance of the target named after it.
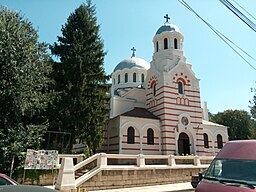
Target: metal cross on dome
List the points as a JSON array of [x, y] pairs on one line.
[[133, 51], [167, 17]]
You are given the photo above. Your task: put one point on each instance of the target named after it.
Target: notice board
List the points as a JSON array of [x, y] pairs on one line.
[[41, 159]]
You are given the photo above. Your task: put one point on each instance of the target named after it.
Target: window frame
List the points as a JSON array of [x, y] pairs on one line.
[[180, 87], [154, 89], [175, 43], [142, 77], [165, 43], [134, 77], [206, 141], [118, 79], [126, 77], [219, 141], [150, 136], [130, 135]]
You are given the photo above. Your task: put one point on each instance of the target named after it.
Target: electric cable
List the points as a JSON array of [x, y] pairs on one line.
[[221, 36], [239, 14], [245, 10]]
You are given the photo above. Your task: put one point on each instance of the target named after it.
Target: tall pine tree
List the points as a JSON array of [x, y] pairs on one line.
[[81, 106], [25, 76]]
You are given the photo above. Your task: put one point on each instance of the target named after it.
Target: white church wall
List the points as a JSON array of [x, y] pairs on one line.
[[223, 132], [211, 140], [126, 148], [138, 95], [140, 146], [135, 98], [154, 149], [212, 132], [122, 105], [113, 135]]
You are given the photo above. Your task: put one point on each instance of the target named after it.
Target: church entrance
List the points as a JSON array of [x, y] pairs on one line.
[[183, 144]]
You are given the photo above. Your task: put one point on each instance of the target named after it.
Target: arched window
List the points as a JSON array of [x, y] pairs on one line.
[[126, 77], [134, 77], [165, 43], [219, 141], [150, 137], [180, 87], [142, 77], [154, 89], [157, 46], [206, 141], [114, 81], [118, 80], [130, 135], [175, 43]]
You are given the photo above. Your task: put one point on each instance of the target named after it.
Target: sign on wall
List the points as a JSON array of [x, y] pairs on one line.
[[41, 159]]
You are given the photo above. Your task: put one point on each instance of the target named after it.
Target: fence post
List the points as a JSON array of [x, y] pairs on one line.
[[102, 160], [197, 161], [140, 160], [171, 160], [80, 158], [66, 176]]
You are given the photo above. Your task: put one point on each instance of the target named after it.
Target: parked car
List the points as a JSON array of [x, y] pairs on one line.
[[24, 188], [5, 180], [195, 179], [232, 170]]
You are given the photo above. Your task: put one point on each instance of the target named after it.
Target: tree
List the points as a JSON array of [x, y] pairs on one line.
[[25, 71], [253, 104], [237, 121], [253, 112], [81, 106]]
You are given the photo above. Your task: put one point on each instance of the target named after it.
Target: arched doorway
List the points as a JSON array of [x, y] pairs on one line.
[[183, 144]]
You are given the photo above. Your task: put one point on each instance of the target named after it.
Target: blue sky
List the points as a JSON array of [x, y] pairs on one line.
[[225, 79]]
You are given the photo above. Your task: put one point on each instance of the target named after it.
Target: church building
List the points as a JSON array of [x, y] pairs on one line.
[[156, 109]]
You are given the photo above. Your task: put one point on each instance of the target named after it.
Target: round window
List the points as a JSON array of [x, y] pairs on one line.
[[184, 120]]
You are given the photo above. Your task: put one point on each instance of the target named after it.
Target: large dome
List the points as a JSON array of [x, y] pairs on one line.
[[167, 27], [131, 63]]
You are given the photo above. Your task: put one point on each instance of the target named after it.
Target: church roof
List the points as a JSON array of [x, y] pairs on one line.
[[211, 123], [131, 63], [141, 113], [168, 27]]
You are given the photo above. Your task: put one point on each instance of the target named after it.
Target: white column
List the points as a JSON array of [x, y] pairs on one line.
[[140, 160], [102, 160], [66, 176], [171, 160]]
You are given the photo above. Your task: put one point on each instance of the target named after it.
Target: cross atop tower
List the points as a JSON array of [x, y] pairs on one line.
[[167, 17], [133, 51]]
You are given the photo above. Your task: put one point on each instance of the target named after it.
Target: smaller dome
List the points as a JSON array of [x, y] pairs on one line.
[[167, 27], [131, 63]]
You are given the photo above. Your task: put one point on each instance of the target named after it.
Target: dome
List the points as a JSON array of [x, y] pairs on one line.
[[167, 27], [131, 63]]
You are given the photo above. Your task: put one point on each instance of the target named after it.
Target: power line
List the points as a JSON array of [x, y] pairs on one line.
[[239, 14], [245, 10], [221, 36]]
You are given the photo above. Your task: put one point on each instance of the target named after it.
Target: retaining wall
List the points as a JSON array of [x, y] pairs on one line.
[[114, 178]]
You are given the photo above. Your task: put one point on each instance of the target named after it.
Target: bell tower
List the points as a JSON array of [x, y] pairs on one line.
[[168, 45], [172, 92]]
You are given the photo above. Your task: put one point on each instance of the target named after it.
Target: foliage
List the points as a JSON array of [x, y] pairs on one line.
[[25, 71], [253, 104], [81, 106], [237, 121], [253, 129]]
